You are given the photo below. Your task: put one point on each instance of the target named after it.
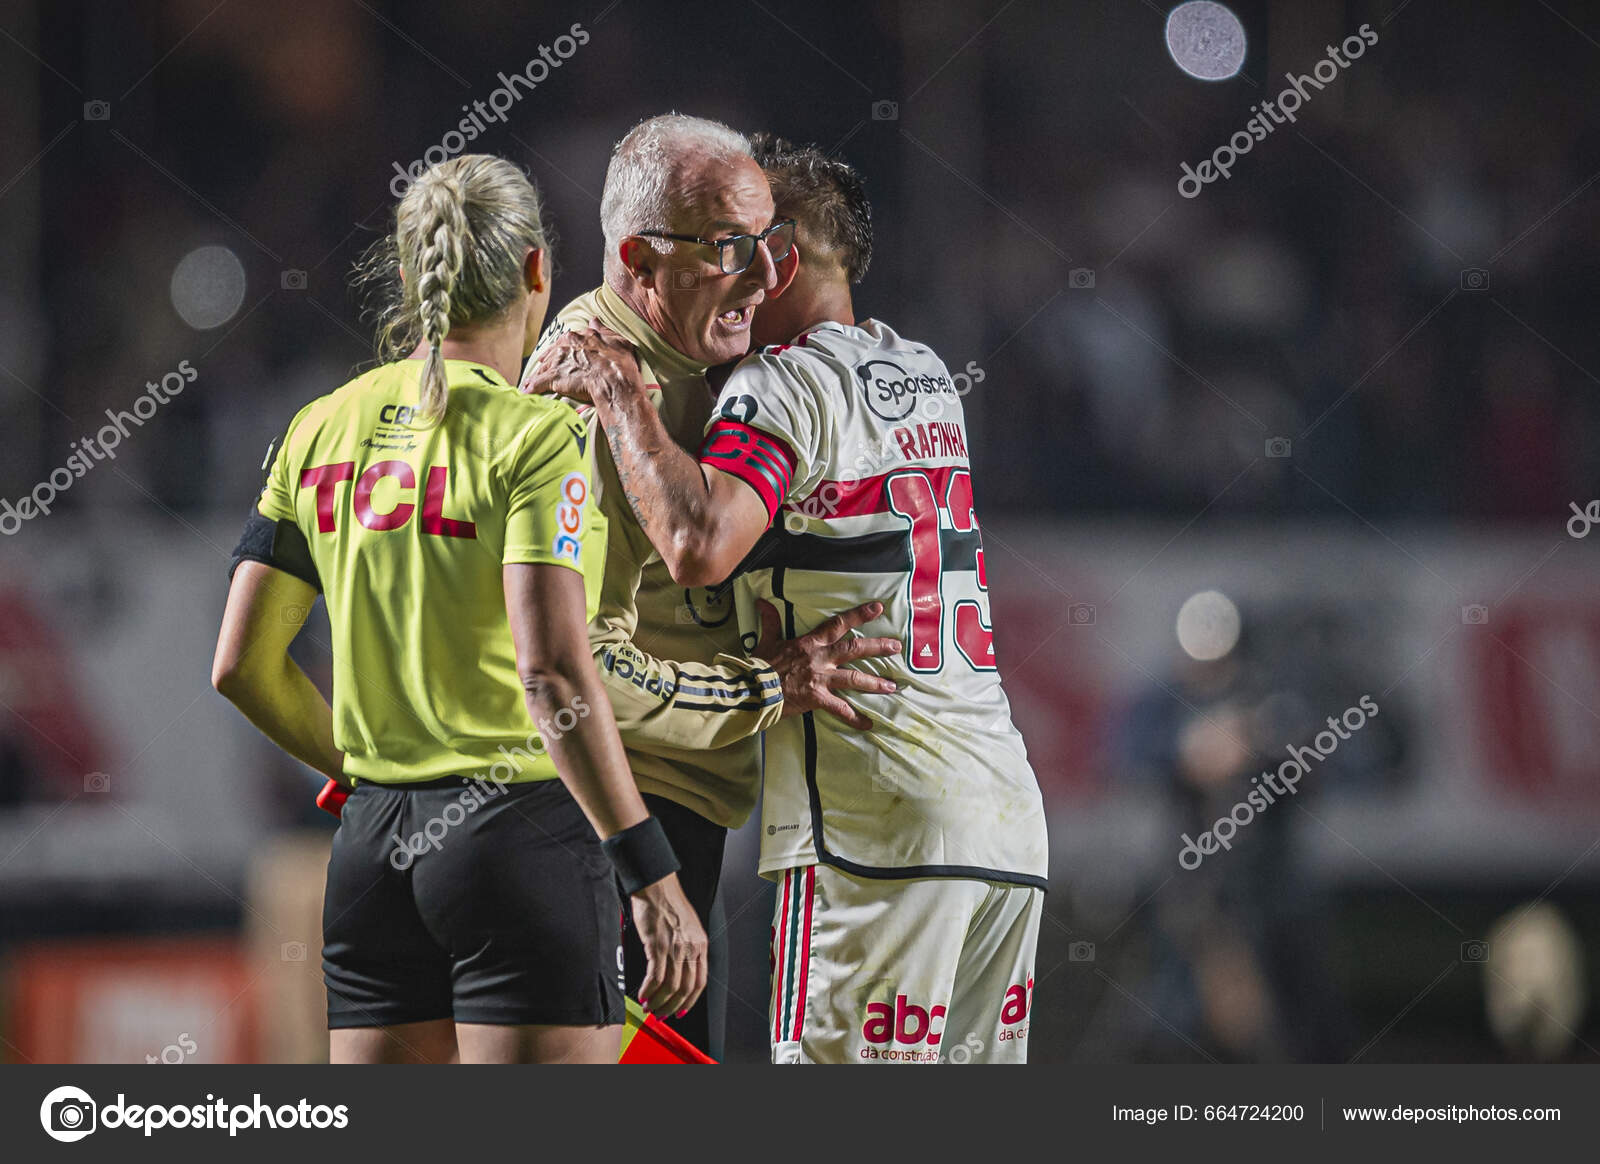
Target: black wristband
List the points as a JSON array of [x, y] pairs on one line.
[[642, 855]]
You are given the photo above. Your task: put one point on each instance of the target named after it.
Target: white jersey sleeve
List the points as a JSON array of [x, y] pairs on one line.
[[770, 427]]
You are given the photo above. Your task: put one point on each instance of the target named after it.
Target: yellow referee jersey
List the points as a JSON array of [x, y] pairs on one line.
[[409, 527]]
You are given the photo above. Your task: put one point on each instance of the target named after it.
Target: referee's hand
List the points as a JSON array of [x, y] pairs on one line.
[[674, 948]]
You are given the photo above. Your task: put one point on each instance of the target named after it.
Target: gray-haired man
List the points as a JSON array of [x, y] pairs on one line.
[[691, 251]]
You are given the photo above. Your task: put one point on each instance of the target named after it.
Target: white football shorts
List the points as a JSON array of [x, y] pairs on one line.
[[928, 970]]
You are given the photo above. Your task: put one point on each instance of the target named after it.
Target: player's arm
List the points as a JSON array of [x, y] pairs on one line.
[[252, 669], [546, 609], [660, 703], [273, 582], [663, 704], [702, 521], [544, 605], [547, 568]]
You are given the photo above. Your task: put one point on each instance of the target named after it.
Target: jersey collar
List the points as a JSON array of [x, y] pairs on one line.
[[483, 370], [659, 354]]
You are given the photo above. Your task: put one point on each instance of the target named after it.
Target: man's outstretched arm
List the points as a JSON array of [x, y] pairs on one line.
[[704, 522]]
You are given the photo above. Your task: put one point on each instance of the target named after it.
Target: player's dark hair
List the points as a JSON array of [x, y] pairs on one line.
[[824, 196]]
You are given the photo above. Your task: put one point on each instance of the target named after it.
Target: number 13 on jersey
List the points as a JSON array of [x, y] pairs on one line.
[[918, 496]]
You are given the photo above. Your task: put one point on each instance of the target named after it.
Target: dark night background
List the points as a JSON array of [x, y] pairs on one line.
[[1403, 285]]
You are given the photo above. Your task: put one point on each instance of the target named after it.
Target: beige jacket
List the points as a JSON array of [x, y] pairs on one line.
[[688, 699]]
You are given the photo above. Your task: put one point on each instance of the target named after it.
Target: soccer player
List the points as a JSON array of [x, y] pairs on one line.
[[691, 250], [912, 856], [446, 517]]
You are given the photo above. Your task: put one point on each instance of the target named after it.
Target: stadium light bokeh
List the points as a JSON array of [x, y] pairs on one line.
[[1206, 40]]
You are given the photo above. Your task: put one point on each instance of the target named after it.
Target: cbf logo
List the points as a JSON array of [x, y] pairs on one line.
[[892, 391], [67, 1114]]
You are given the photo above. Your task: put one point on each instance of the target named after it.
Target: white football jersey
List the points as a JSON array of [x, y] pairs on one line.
[[856, 441]]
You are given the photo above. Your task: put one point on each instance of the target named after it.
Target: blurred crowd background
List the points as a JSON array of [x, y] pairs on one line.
[[1339, 409]]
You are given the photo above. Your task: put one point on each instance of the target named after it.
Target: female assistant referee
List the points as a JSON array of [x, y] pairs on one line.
[[471, 907]]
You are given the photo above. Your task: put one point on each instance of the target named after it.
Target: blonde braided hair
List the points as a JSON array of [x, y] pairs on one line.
[[460, 234]]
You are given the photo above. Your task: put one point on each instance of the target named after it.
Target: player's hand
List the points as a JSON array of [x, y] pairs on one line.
[[674, 948], [585, 364], [812, 666]]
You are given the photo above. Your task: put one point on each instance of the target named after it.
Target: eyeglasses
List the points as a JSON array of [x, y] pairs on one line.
[[736, 253]]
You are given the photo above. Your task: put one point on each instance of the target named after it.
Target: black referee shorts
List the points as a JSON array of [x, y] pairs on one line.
[[469, 900]]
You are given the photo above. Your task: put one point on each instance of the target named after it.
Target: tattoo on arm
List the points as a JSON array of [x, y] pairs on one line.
[[662, 481], [623, 455]]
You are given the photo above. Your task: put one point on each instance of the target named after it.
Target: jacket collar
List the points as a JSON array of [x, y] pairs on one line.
[[660, 355]]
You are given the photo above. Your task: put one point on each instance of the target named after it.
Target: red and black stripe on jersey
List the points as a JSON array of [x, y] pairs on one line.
[[762, 461], [874, 553]]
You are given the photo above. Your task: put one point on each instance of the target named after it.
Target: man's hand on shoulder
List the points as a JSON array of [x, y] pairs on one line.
[[591, 365]]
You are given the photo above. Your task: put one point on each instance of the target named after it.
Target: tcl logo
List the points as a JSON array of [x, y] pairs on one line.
[[904, 1022], [326, 479]]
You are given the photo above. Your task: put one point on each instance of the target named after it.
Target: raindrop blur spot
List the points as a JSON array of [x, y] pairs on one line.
[[1206, 40], [1208, 626], [208, 287]]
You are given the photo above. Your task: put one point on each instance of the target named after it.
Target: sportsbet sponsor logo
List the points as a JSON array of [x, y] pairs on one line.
[[569, 517], [69, 1114], [892, 391]]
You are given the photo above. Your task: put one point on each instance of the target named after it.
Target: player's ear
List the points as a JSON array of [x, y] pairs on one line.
[[533, 269], [639, 257], [787, 268]]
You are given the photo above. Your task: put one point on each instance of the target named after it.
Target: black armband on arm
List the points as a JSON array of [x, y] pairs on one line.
[[279, 544], [642, 855]]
